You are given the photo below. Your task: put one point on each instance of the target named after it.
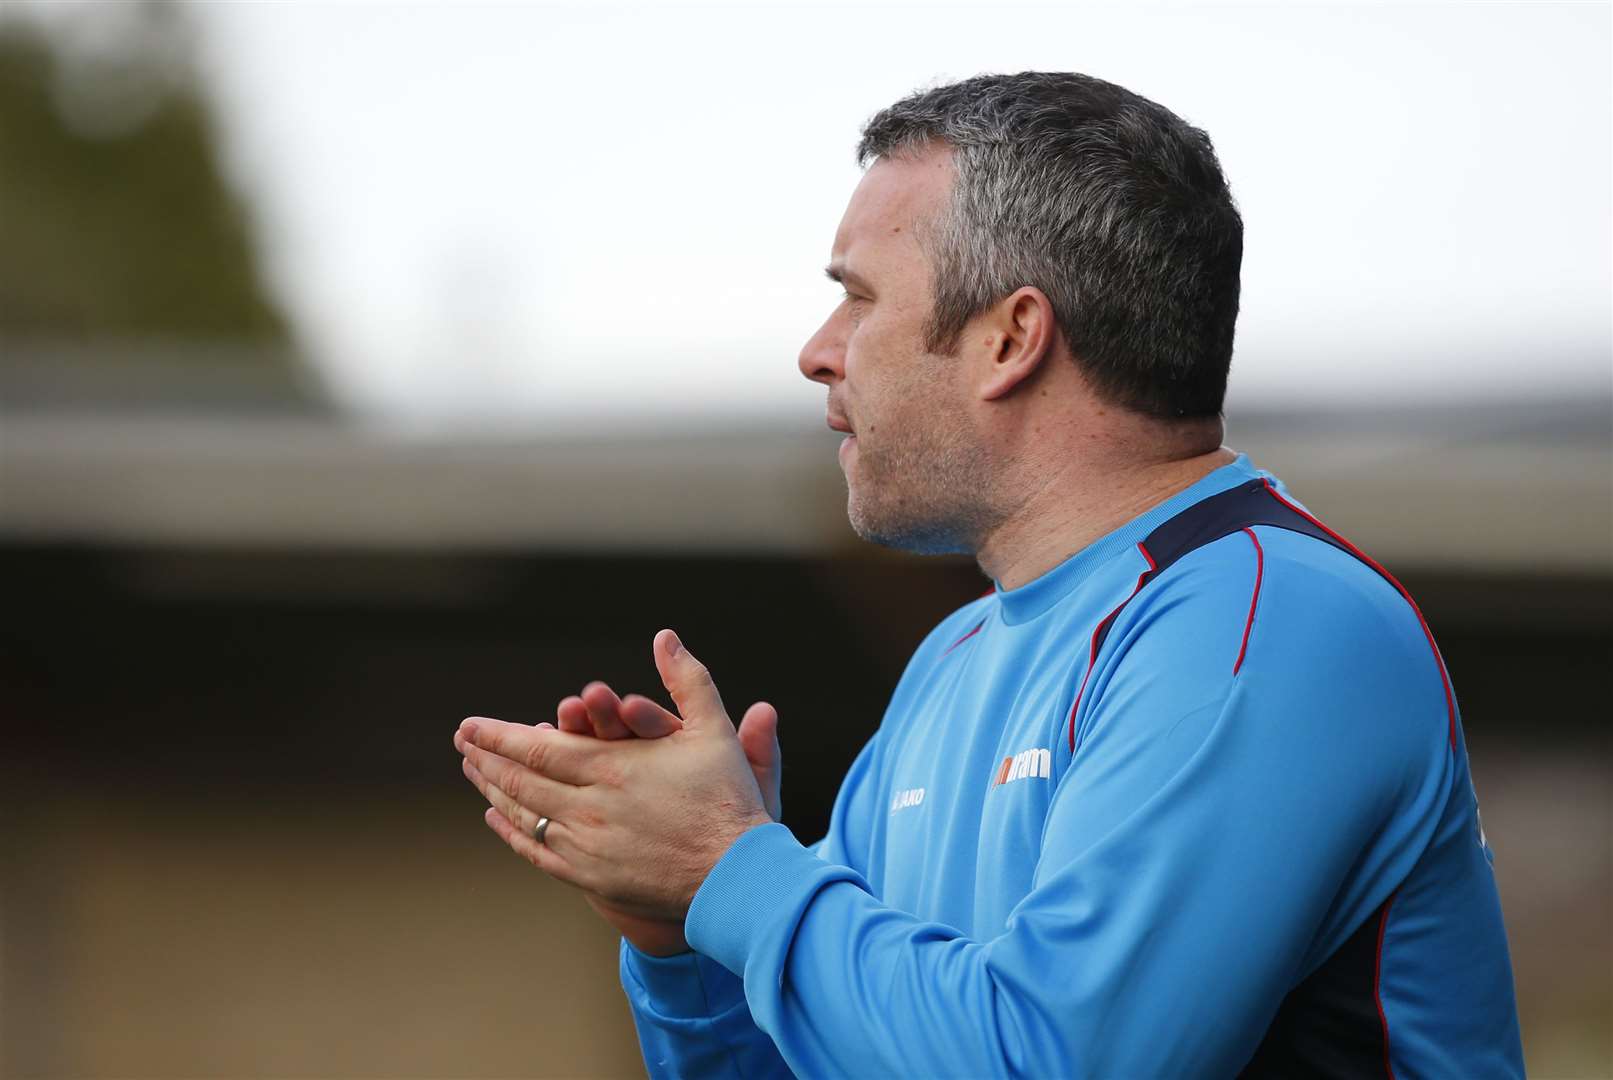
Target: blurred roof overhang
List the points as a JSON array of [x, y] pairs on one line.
[[1515, 489]]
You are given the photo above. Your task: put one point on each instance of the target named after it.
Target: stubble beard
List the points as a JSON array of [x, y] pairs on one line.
[[929, 493]]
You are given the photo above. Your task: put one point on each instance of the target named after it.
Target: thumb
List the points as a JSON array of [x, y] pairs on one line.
[[758, 735], [689, 683]]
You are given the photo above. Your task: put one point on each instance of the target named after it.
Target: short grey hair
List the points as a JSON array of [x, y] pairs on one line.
[[1110, 204]]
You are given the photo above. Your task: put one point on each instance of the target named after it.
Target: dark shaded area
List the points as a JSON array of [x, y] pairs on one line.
[[274, 674], [249, 674]]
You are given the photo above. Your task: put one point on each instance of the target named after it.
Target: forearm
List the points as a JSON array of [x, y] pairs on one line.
[[1093, 976], [691, 1012], [844, 985], [692, 1019]]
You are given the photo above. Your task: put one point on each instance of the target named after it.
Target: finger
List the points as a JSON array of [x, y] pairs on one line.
[[518, 815], [572, 716], [647, 719], [542, 856], [604, 711], [689, 683], [532, 790], [557, 755], [758, 736]]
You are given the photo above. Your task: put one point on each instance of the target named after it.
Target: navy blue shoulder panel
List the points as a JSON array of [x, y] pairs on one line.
[[1233, 510], [1249, 504]]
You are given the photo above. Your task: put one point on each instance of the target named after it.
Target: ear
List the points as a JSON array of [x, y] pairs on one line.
[[1023, 335]]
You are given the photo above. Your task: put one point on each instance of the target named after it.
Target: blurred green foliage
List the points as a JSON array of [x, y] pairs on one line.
[[120, 234]]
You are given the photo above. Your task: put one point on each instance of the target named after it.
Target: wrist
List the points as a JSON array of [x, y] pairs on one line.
[[663, 943], [747, 899], [723, 843], [652, 937]]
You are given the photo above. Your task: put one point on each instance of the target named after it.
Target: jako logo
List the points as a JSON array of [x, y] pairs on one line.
[[903, 799], [1025, 764]]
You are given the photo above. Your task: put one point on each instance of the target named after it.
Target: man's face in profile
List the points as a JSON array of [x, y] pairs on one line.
[[916, 472]]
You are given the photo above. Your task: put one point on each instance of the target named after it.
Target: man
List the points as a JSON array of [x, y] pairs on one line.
[[1184, 795]]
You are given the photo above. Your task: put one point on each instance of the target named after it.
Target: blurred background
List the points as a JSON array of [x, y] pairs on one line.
[[364, 367]]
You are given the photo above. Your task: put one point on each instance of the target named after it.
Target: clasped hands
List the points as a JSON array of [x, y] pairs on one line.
[[642, 802]]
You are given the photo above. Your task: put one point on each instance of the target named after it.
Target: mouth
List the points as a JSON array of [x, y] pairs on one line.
[[849, 443]]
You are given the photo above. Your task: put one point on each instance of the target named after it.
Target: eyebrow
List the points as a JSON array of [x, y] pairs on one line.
[[840, 275]]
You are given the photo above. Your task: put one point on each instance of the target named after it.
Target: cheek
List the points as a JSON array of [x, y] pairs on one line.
[[876, 354], [861, 347]]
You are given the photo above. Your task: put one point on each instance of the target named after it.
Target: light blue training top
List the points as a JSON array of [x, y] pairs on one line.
[[1151, 814]]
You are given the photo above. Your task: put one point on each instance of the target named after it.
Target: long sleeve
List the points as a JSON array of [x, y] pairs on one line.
[[690, 1012], [1213, 839], [692, 1018]]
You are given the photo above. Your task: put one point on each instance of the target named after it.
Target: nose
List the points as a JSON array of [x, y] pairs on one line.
[[823, 357]]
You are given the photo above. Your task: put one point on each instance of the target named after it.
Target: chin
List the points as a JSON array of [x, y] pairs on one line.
[[916, 537]]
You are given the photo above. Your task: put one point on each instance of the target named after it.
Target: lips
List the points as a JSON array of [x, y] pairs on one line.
[[839, 423]]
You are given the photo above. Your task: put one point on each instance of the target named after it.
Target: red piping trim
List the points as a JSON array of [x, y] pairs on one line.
[[965, 637], [1444, 676], [1377, 985], [1092, 652], [1260, 571]]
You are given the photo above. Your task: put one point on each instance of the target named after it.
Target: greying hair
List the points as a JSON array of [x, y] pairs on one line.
[[1110, 204]]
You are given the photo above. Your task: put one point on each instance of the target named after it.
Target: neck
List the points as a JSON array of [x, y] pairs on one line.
[[1079, 502]]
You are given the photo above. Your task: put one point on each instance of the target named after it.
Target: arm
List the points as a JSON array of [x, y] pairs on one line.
[[692, 1019], [1211, 842], [690, 1012]]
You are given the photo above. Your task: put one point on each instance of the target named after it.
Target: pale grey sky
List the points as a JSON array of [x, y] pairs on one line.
[[524, 214]]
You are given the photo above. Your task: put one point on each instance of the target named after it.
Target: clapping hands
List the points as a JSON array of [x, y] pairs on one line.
[[591, 790]]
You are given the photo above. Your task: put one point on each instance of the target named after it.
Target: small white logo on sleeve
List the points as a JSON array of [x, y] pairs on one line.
[[912, 796]]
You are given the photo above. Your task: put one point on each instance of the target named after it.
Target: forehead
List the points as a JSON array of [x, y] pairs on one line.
[[895, 195]]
